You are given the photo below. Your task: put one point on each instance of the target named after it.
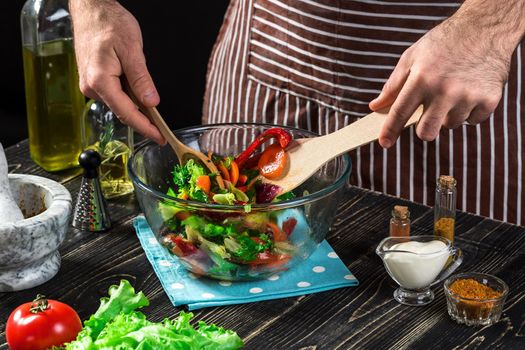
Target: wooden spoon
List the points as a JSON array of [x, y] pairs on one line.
[[183, 152], [307, 155]]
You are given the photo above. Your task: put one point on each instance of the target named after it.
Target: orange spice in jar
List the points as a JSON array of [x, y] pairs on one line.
[[400, 222], [444, 227], [479, 304], [445, 207]]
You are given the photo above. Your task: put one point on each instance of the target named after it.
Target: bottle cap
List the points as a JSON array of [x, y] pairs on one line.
[[401, 212], [446, 181]]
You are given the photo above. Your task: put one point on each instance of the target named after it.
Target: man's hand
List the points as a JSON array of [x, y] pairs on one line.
[[108, 46], [457, 70]]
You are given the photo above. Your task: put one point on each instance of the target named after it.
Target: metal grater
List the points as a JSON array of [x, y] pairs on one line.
[[91, 212]]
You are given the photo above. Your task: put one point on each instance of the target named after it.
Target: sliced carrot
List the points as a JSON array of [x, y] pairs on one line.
[[278, 234], [242, 179], [234, 173], [273, 161], [204, 183], [224, 172]]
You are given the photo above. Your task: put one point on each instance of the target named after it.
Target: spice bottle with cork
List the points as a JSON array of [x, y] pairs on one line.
[[445, 207], [400, 222]]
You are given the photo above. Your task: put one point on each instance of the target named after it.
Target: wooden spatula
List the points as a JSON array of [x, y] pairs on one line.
[[183, 152], [307, 155]]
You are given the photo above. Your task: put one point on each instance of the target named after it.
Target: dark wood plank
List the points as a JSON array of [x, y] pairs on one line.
[[351, 318]]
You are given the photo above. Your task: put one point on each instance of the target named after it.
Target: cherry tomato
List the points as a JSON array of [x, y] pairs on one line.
[[41, 324], [272, 161]]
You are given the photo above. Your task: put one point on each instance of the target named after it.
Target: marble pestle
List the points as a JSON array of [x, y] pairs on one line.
[[9, 210]]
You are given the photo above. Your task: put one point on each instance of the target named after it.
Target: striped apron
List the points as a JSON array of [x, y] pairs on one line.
[[315, 64]]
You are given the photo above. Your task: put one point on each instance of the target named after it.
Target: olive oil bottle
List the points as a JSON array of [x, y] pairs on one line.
[[54, 102]]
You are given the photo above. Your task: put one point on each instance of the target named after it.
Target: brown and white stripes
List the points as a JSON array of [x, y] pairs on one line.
[[315, 64]]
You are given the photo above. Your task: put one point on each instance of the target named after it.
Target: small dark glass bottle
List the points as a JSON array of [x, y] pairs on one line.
[[400, 222]]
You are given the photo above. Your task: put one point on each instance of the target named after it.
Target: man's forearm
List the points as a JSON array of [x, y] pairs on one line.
[[89, 8], [501, 22]]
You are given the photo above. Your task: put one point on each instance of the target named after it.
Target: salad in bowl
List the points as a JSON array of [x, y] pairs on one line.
[[245, 229]]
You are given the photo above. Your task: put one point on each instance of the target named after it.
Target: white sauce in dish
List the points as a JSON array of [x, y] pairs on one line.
[[419, 270]]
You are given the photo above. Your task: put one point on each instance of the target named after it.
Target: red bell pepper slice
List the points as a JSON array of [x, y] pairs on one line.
[[281, 135], [269, 259], [278, 234], [182, 246], [289, 225]]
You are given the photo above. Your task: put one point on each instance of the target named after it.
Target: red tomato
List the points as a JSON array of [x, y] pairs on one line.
[[41, 324], [273, 161]]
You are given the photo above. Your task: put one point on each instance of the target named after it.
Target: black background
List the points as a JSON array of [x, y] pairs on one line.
[[178, 37]]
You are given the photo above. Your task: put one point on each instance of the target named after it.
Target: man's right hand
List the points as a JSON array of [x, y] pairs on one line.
[[108, 46]]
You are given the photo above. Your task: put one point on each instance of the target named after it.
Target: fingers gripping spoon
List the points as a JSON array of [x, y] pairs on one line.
[[307, 155], [183, 152]]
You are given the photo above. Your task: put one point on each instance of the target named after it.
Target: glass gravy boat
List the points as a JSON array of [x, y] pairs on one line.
[[416, 263]]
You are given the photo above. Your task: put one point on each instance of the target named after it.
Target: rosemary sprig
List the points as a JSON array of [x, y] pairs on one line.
[[105, 136]]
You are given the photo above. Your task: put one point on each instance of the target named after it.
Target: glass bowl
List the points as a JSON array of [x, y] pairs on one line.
[[476, 312], [304, 219]]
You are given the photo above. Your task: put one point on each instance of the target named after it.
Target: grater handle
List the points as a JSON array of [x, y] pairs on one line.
[[90, 160]]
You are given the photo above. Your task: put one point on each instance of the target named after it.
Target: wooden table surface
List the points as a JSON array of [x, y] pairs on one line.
[[363, 317]]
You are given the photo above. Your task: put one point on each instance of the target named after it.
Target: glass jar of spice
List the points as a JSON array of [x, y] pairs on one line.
[[445, 207], [400, 222]]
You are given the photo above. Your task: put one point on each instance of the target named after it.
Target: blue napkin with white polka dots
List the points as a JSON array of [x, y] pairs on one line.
[[322, 271]]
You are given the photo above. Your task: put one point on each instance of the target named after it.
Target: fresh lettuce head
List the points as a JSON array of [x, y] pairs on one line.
[[117, 325]]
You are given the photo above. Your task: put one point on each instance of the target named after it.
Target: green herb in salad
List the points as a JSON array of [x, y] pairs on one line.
[[185, 178], [117, 325], [207, 229], [245, 248]]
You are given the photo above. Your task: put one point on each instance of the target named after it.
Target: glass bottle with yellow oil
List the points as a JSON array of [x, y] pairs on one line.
[[53, 99], [103, 132]]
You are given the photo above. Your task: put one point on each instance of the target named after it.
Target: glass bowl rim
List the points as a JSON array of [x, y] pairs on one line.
[[465, 275], [289, 203], [380, 247]]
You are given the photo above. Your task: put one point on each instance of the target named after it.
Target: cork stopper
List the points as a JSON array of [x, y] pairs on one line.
[[400, 212], [446, 181]]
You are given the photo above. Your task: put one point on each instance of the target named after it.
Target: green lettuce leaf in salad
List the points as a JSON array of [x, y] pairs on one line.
[[185, 178], [117, 325], [224, 198], [207, 229], [244, 248]]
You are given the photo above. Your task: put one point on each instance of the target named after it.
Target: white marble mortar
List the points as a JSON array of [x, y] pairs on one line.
[[29, 248]]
